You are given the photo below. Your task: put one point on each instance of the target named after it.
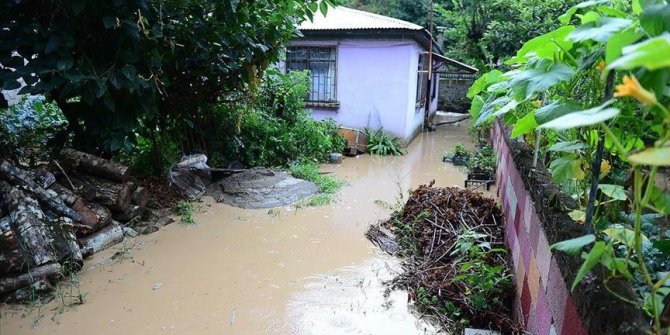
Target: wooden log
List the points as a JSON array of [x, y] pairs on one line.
[[93, 215], [101, 240], [20, 178], [96, 166], [11, 258], [9, 284], [66, 244], [141, 197], [26, 221], [113, 195], [43, 177]]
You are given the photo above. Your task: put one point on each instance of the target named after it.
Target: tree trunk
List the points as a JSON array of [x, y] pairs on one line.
[[96, 166], [66, 244], [103, 239], [44, 178], [93, 215], [11, 259], [115, 196], [26, 223], [10, 284], [20, 178]]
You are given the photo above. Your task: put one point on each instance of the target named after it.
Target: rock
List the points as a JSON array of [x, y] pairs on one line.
[[130, 232], [261, 188]]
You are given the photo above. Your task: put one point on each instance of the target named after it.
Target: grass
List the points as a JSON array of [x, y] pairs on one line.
[[185, 210], [327, 185]]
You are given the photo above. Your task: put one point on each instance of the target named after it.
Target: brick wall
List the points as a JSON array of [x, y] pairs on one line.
[[543, 301]]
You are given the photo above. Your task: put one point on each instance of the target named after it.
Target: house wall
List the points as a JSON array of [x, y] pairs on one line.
[[376, 85]]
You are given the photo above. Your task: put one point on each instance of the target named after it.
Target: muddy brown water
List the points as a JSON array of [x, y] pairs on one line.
[[239, 271]]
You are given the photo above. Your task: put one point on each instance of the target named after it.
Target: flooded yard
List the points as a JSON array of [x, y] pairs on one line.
[[240, 271]]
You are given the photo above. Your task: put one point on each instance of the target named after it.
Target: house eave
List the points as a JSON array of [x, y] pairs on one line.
[[422, 37]]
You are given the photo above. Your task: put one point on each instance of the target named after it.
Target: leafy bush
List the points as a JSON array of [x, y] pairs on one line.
[[273, 129], [461, 150], [32, 130], [381, 143], [483, 161]]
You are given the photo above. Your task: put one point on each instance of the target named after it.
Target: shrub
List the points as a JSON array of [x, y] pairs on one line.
[[32, 130], [381, 143]]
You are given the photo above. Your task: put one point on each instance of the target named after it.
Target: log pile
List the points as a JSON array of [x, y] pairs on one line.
[[54, 216]]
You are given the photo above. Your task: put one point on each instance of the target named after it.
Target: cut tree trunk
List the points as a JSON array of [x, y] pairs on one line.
[[95, 165], [93, 215], [11, 258], [66, 244], [115, 196], [9, 284], [20, 178], [26, 221], [101, 240], [44, 178]]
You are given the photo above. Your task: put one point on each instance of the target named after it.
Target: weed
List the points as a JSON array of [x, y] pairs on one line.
[[185, 210], [381, 143]]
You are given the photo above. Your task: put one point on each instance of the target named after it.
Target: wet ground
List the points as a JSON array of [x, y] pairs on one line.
[[240, 271]]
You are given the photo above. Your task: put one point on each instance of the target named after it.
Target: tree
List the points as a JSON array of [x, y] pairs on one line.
[[113, 66]]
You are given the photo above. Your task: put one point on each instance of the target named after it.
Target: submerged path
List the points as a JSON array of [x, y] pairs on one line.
[[239, 271]]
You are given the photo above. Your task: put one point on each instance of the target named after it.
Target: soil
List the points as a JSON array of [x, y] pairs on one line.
[[245, 271], [162, 195]]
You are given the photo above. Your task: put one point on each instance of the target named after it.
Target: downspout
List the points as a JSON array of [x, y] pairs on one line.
[[426, 115]]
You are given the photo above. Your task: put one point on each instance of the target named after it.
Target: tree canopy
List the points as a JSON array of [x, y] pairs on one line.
[[113, 66]]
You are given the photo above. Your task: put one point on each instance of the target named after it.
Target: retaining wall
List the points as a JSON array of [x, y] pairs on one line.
[[535, 218]]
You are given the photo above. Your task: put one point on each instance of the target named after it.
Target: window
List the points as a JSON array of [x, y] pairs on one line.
[[422, 80], [321, 63]]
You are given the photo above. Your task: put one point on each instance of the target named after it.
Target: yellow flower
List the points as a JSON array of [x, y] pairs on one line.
[[538, 103], [601, 66], [605, 167], [632, 88]]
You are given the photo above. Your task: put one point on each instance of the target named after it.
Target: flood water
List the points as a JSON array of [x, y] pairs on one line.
[[240, 271]]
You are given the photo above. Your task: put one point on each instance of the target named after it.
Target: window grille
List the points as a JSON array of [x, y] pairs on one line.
[[322, 65], [422, 80]]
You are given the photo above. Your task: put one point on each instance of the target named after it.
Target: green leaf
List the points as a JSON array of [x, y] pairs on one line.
[[656, 19], [575, 245], [554, 110], [589, 17], [577, 216], [599, 31], [323, 7], [615, 192], [565, 18], [52, 45], [623, 235], [539, 79], [64, 63], [544, 46], [652, 156], [566, 168], [582, 118], [663, 246], [651, 54], [507, 108], [483, 82], [476, 107], [524, 125], [618, 42], [570, 146], [108, 22], [591, 260]]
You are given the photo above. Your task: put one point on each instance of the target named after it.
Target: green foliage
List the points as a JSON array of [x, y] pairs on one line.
[[185, 210], [273, 128], [559, 87], [328, 185], [114, 67], [381, 143], [483, 161], [32, 131], [461, 150]]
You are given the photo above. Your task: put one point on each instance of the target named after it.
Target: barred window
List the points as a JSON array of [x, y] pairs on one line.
[[322, 65]]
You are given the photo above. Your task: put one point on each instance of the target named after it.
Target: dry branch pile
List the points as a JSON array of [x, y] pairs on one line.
[[456, 268], [54, 216]]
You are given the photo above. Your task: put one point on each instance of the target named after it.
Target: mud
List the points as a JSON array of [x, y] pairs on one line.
[[245, 271]]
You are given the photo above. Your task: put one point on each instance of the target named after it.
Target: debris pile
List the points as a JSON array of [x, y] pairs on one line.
[[54, 216], [456, 268]]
